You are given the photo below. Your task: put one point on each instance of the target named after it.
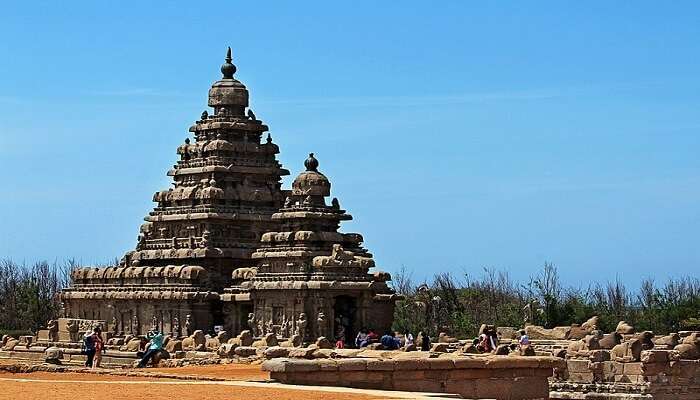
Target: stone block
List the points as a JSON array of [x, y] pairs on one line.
[[245, 351], [470, 362], [632, 368], [577, 366], [323, 343], [303, 366], [53, 355], [581, 377], [440, 363], [276, 352], [173, 346], [654, 356], [301, 352], [352, 364], [380, 365], [469, 374], [226, 350]]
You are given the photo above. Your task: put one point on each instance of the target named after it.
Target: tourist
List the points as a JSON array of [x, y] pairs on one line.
[[407, 338], [362, 338], [425, 343], [389, 341], [524, 338], [99, 347], [486, 343], [89, 347], [155, 345], [372, 336], [340, 338]]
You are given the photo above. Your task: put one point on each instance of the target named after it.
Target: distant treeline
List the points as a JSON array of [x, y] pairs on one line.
[[460, 305], [29, 294], [29, 298]]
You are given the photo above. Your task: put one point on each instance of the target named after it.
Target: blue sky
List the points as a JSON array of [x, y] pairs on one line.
[[460, 135]]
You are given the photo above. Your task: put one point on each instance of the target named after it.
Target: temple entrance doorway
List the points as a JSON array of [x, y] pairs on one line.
[[344, 314]]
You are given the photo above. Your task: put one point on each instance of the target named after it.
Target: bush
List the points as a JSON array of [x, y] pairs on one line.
[[459, 307]]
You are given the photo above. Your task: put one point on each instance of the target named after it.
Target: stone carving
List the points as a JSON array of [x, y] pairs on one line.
[[624, 328], [189, 325], [301, 326], [52, 327], [176, 327], [154, 323], [115, 326], [321, 324], [73, 326], [251, 323], [134, 325]]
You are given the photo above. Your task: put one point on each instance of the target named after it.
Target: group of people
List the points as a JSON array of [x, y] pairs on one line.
[[389, 340], [94, 347], [487, 342]]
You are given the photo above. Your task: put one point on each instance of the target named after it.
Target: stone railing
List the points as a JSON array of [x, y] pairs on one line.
[[490, 377]]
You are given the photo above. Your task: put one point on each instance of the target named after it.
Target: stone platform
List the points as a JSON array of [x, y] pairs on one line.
[[490, 377]]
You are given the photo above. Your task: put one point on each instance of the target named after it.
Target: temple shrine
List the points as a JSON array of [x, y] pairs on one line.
[[227, 247]]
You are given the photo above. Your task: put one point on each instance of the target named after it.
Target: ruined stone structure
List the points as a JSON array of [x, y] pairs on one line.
[[226, 245]]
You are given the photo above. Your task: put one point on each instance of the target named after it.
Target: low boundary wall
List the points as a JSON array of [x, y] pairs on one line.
[[493, 377]]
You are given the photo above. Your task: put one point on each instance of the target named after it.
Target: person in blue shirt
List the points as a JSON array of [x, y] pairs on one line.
[[155, 345], [389, 341]]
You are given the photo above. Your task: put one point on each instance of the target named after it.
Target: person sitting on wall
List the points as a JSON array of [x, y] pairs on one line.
[[524, 338], [389, 341], [425, 343], [362, 339], [372, 336], [155, 345]]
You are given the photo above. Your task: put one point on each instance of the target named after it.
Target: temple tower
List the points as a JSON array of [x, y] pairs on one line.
[[226, 186], [310, 272]]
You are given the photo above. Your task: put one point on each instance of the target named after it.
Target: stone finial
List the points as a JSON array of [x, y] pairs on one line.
[[227, 68], [311, 163], [269, 138], [205, 115]]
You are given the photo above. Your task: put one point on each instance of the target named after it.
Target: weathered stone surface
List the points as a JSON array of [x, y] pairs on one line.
[[276, 352], [440, 347], [687, 351], [540, 333], [624, 328], [133, 345], [245, 351], [227, 350], [174, 346], [10, 344], [323, 343], [53, 355]]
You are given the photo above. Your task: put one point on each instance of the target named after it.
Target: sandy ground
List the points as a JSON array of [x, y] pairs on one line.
[[77, 386]]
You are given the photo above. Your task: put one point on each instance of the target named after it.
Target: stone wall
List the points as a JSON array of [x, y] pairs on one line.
[[494, 377]]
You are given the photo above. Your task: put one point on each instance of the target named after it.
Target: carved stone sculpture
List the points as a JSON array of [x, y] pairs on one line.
[[301, 326], [176, 327], [251, 324], [52, 327], [189, 325], [321, 324], [135, 325]]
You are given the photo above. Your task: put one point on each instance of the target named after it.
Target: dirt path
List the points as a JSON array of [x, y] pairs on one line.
[[70, 386]]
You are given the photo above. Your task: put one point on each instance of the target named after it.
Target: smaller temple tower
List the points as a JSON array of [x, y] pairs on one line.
[[310, 279]]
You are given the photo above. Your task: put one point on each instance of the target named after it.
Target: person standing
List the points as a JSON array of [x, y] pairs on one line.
[[155, 345], [89, 347], [408, 338], [99, 347]]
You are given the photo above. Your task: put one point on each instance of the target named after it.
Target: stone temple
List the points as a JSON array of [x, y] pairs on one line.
[[227, 246]]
